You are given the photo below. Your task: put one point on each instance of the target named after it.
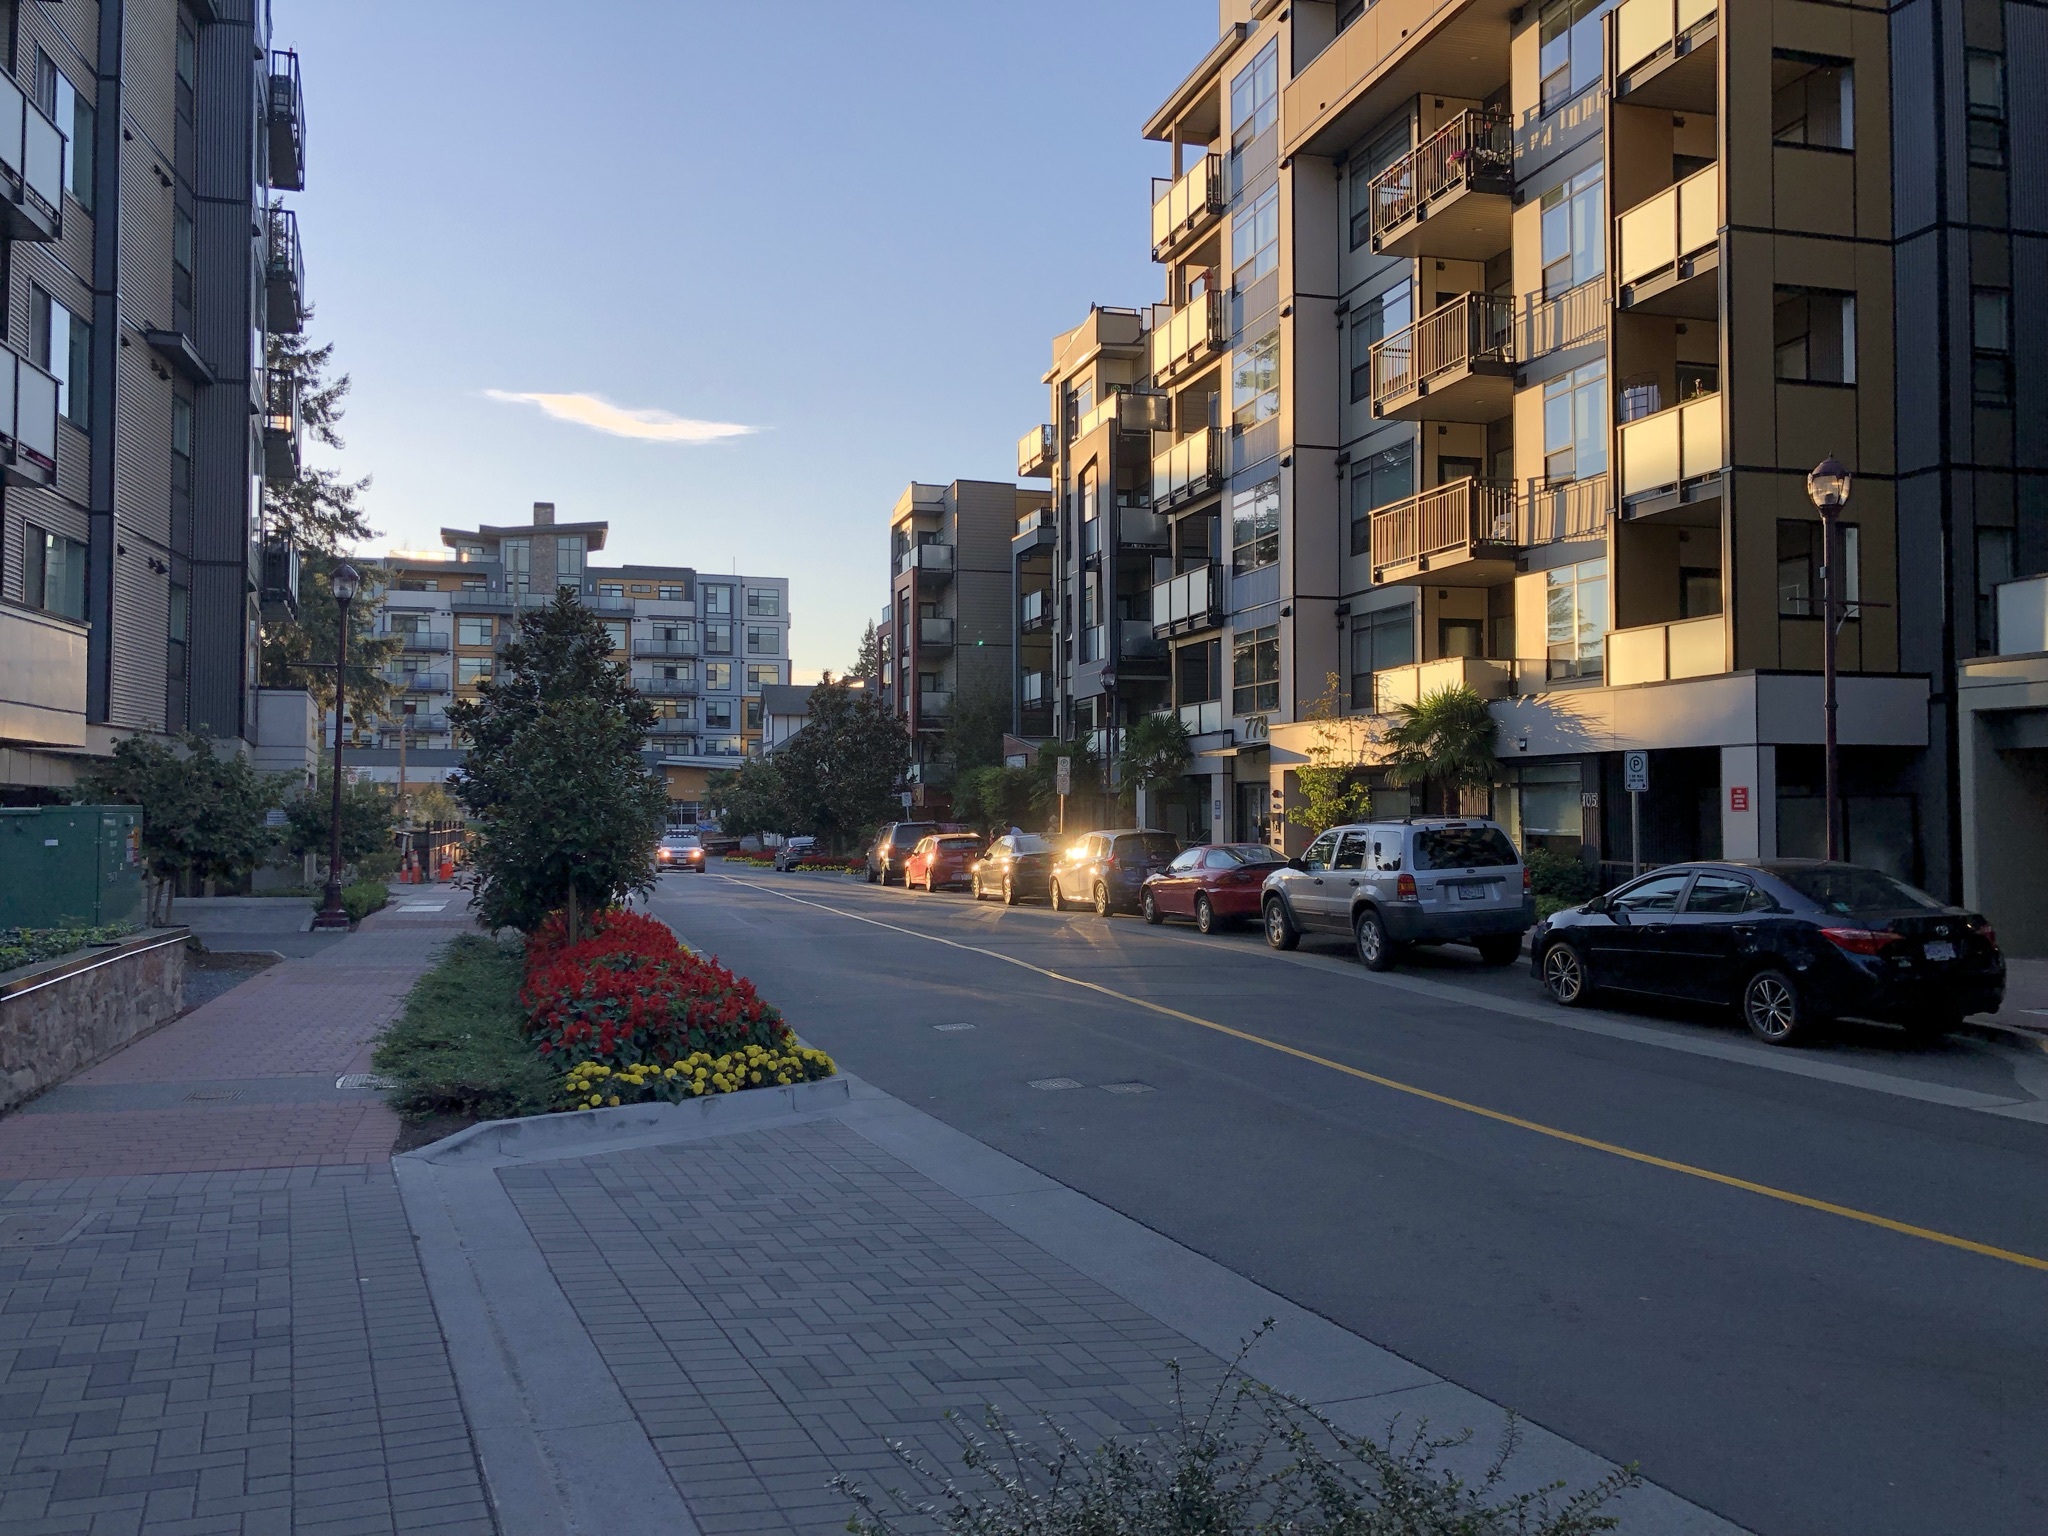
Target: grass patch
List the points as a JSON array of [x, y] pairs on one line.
[[460, 1048]]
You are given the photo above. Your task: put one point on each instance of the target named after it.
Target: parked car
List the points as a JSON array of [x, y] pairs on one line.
[[1214, 884], [719, 843], [892, 847], [792, 849], [944, 858], [1014, 867], [679, 850], [1788, 942], [1106, 870], [1420, 880]]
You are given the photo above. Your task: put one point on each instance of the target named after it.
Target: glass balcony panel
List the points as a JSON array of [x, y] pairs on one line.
[[1036, 450], [13, 112], [1649, 237], [1699, 210], [42, 157], [35, 415], [1179, 202], [1700, 436], [1641, 27], [1650, 456]]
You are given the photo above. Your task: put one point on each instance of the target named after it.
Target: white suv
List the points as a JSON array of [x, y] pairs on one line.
[[1420, 880]]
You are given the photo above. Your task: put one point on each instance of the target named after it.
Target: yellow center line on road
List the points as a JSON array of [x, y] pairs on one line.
[[1649, 1159]]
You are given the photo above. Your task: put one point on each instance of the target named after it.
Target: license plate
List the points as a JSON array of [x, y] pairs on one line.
[[1474, 892], [1940, 949]]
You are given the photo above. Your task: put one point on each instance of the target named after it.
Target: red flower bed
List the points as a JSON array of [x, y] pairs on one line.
[[627, 993]]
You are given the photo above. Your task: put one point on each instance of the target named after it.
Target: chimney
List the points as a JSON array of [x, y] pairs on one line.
[[543, 514]]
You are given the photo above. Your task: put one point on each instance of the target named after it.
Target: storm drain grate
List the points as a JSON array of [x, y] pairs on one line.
[[357, 1082], [213, 1095], [947, 1029], [1126, 1087], [1052, 1084]]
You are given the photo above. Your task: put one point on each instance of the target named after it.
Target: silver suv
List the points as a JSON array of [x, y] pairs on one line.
[[1421, 880]]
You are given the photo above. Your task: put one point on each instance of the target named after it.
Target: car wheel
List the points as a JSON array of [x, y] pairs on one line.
[[1565, 977], [871, 874], [1205, 916], [1101, 899], [1009, 890], [1280, 930], [1053, 896], [1771, 1007], [974, 886], [1502, 949], [1375, 949], [1150, 906]]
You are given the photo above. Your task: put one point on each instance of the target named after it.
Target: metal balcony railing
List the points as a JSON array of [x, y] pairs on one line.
[[1036, 690], [1036, 451], [1195, 330], [1187, 469], [413, 727], [28, 421], [931, 559], [1552, 512], [286, 119], [283, 431], [667, 687], [484, 600], [1472, 328], [1132, 410], [607, 602], [1037, 519], [1473, 145], [934, 632], [31, 168], [417, 682], [668, 647], [1662, 452], [1035, 610], [1181, 204], [1192, 600], [422, 640], [1568, 319], [1204, 718], [284, 270], [669, 725], [1450, 518], [935, 705], [1137, 641], [1678, 224]]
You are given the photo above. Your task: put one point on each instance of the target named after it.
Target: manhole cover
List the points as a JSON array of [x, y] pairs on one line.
[[1050, 1084], [213, 1095], [947, 1029], [1126, 1087], [359, 1082], [44, 1229]]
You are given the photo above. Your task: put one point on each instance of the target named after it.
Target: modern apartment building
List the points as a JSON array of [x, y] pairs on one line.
[[143, 263], [949, 634], [1500, 342], [705, 649]]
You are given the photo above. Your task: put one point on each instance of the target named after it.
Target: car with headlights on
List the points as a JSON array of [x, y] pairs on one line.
[[1214, 883], [1789, 943], [1107, 870], [1015, 867], [892, 848], [679, 851]]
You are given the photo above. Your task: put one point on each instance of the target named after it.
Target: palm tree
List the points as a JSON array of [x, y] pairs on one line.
[[1446, 741]]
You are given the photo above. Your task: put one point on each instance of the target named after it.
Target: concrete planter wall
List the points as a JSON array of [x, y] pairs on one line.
[[60, 1016]]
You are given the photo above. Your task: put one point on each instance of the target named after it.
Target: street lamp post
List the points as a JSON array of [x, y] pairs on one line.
[[1828, 486], [344, 582]]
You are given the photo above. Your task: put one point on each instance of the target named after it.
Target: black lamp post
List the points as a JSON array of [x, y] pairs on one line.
[[332, 913], [1828, 486]]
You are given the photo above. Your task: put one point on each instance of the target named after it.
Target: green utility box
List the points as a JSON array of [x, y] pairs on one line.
[[71, 866]]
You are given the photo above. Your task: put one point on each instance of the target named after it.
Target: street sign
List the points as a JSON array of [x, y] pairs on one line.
[[1063, 775], [1635, 771], [1738, 797]]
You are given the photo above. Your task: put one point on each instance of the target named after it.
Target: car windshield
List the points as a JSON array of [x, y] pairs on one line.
[[1252, 853], [1148, 845], [1025, 842], [1479, 847], [680, 842], [1844, 888]]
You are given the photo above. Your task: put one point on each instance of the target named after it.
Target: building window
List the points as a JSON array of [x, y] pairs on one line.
[[1379, 641], [1197, 672], [53, 573], [718, 639], [471, 670], [1090, 494], [1255, 672], [1801, 557], [1255, 97], [181, 258], [1377, 156], [674, 633], [718, 601], [752, 717], [570, 549], [718, 714], [1813, 102], [1816, 336], [175, 663], [470, 552], [1987, 107], [1379, 480], [1991, 346], [1575, 619], [1574, 233], [718, 674], [672, 594], [473, 629], [764, 603], [1575, 424], [1255, 526], [60, 343], [518, 557], [1255, 381], [1373, 321], [188, 69], [1255, 239], [181, 444], [762, 674], [60, 100], [616, 632], [1570, 57], [764, 640], [611, 589], [1997, 552]]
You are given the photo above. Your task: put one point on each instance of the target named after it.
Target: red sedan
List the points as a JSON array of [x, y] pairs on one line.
[[1212, 883], [947, 858]]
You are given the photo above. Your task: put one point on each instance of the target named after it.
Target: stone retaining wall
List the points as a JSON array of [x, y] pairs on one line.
[[60, 1016]]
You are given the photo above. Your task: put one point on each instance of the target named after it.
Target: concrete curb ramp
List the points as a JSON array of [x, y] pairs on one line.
[[562, 1452]]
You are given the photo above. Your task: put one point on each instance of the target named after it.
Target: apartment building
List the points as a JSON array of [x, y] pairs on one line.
[[948, 636], [705, 649], [1501, 341], [139, 143]]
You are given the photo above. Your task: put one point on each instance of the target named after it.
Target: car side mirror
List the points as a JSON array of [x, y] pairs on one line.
[[1299, 866]]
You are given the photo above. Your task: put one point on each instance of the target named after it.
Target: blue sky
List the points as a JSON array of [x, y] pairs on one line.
[[851, 229]]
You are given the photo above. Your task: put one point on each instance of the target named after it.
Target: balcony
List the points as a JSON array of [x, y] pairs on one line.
[[1666, 54], [1195, 333], [1132, 411], [413, 726], [1452, 195], [287, 123], [614, 603], [28, 421], [1036, 452], [1187, 206], [284, 274], [42, 678], [1459, 535], [667, 687], [1394, 686], [283, 432], [422, 641], [1569, 319], [1034, 612], [934, 634], [1139, 527], [668, 647], [1137, 642], [1034, 690], [1456, 363], [1658, 653], [416, 682], [1671, 459], [1671, 248], [934, 706], [933, 562], [1190, 468], [1036, 529], [1190, 601], [1205, 718], [281, 573], [1553, 513], [31, 168], [482, 600]]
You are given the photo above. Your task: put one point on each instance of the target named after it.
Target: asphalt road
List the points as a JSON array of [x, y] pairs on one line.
[[1805, 1289]]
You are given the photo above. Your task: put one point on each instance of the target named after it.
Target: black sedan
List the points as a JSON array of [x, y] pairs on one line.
[[1014, 867], [1790, 943]]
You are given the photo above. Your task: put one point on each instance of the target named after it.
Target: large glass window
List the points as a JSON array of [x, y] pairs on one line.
[[762, 675], [718, 601], [518, 557], [53, 573], [181, 257], [181, 444], [1800, 559], [1255, 97], [1815, 336], [718, 639], [570, 549], [762, 602], [764, 640], [1575, 424], [471, 670], [61, 342], [473, 629], [1255, 381], [1365, 166], [1255, 526], [718, 675], [1570, 56], [1574, 232], [1373, 321], [1255, 671], [1196, 670], [1379, 480], [72, 113], [1991, 346], [1813, 102], [1255, 238], [176, 665], [1986, 71], [1379, 640], [1575, 619]]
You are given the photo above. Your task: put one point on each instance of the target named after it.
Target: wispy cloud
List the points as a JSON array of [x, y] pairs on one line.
[[649, 425]]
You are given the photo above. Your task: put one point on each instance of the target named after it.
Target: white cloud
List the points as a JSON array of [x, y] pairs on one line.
[[601, 415]]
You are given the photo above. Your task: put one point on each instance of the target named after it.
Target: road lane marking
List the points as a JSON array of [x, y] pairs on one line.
[[1612, 1149]]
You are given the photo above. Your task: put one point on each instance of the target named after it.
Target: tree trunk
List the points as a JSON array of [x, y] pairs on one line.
[[575, 916]]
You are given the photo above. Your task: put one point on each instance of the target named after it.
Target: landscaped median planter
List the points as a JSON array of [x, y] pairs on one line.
[[61, 1015]]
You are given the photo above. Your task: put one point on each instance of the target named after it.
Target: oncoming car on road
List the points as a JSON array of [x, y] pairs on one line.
[[679, 850]]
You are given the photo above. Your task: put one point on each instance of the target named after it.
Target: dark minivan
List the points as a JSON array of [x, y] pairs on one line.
[[1107, 870], [892, 848]]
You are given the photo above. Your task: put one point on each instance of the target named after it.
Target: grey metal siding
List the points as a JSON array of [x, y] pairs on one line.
[[1914, 150], [2026, 95]]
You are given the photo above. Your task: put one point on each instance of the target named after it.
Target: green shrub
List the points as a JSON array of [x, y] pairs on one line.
[[1562, 875], [460, 1047], [381, 865], [363, 897], [25, 946]]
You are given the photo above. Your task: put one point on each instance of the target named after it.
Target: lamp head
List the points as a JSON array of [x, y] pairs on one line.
[[345, 582], [1828, 484]]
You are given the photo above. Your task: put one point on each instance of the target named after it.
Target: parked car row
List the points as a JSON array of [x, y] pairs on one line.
[[1787, 942]]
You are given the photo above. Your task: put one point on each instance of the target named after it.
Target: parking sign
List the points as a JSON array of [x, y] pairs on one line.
[[1063, 775], [1635, 770]]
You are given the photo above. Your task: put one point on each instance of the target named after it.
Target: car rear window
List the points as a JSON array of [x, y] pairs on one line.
[[960, 840], [1155, 845], [1846, 888], [1024, 842], [910, 833], [1462, 848], [1251, 853]]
